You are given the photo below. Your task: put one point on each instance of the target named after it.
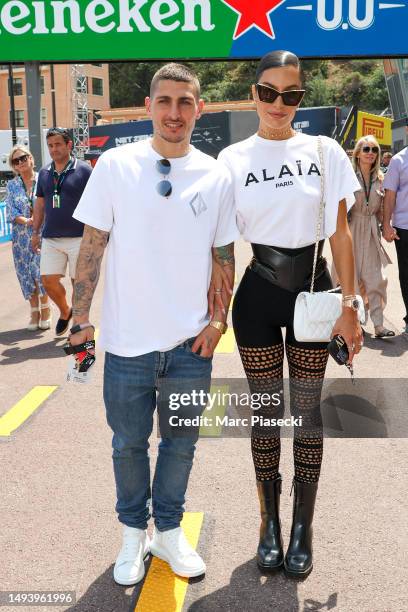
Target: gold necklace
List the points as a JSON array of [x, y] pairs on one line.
[[273, 134]]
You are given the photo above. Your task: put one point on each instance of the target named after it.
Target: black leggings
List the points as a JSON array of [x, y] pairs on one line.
[[260, 310]]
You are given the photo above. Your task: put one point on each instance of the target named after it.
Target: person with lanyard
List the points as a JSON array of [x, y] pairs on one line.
[[365, 219], [59, 188], [19, 207], [277, 176]]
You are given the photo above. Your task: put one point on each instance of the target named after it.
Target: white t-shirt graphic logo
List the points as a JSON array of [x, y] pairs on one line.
[[198, 205]]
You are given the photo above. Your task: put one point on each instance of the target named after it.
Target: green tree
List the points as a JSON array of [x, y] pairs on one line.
[[318, 93], [340, 82]]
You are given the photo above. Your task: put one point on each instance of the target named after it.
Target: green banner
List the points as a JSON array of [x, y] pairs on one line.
[[69, 30], [103, 30]]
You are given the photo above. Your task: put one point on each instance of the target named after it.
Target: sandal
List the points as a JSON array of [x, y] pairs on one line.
[[33, 326], [45, 323], [385, 333]]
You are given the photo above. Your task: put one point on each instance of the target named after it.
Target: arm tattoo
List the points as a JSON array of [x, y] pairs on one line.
[[88, 268], [225, 254]]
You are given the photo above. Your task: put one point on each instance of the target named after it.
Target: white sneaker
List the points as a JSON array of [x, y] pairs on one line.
[[172, 546], [129, 567]]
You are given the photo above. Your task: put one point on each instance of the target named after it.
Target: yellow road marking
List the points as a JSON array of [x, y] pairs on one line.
[[20, 412], [163, 591], [213, 430], [227, 342]]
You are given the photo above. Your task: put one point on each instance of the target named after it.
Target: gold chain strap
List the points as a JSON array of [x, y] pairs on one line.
[[321, 209]]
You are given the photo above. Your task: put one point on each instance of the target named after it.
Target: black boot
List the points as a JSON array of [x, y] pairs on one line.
[[298, 559], [270, 548]]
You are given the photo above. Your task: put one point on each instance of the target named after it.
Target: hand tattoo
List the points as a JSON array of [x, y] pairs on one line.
[[225, 255]]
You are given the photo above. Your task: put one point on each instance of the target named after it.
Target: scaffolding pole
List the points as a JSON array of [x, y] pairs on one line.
[[80, 121]]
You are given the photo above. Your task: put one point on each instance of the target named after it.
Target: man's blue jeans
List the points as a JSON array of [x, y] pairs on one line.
[[133, 387]]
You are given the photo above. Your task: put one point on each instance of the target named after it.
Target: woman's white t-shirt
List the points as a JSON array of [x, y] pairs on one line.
[[277, 188]]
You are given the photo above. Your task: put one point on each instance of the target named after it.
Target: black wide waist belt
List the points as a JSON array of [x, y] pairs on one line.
[[290, 269]]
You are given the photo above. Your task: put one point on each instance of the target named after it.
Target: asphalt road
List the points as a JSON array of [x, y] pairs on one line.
[[59, 531]]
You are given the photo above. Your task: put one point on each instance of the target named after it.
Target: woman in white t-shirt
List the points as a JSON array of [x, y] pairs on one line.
[[276, 175]]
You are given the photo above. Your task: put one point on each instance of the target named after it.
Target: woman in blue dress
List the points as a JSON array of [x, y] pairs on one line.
[[19, 203]]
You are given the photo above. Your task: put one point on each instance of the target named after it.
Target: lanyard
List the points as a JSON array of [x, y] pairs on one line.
[[30, 197], [59, 177], [367, 191]]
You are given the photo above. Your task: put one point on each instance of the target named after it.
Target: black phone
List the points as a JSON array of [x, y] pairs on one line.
[[337, 348]]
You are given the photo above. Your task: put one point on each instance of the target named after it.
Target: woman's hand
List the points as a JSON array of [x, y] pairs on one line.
[[219, 286], [348, 326]]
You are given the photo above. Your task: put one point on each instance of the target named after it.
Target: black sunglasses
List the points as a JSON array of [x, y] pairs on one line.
[[368, 149], [268, 94], [164, 188], [19, 160]]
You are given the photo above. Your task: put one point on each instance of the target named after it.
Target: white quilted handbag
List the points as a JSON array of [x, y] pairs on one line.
[[316, 313]]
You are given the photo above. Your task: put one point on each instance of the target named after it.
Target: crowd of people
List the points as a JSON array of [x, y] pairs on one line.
[[171, 215]]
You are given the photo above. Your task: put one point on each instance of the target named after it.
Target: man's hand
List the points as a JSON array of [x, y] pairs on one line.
[[206, 341], [35, 242], [81, 337], [389, 233]]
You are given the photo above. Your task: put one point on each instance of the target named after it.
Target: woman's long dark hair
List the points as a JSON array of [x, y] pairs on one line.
[[277, 59]]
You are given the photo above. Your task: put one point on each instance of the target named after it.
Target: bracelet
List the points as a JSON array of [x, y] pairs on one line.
[[79, 327], [219, 325], [36, 232]]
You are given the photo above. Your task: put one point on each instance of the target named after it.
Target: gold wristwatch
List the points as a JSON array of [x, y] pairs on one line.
[[222, 327], [350, 301]]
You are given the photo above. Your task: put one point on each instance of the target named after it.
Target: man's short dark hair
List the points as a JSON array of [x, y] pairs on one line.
[[176, 72], [60, 131]]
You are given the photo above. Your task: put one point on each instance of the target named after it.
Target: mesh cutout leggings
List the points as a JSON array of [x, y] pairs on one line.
[[260, 310]]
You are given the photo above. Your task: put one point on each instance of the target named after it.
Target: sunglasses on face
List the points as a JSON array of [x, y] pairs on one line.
[[19, 160], [268, 94], [164, 188], [368, 149]]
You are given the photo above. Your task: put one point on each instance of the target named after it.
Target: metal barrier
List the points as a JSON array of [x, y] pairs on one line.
[[5, 227]]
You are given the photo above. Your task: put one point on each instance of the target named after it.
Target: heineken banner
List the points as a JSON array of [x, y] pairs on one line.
[[71, 30]]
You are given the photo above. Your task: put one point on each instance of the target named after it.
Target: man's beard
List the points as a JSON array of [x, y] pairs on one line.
[[172, 139]]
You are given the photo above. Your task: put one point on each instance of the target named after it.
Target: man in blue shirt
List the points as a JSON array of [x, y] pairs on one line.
[[59, 189]]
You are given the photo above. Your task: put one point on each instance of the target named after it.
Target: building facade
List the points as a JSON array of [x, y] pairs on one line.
[[98, 95]]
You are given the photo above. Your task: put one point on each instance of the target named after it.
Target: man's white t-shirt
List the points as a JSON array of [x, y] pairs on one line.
[[277, 188], [159, 259]]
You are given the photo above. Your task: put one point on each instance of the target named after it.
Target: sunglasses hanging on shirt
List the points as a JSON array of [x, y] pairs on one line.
[[268, 94], [164, 187]]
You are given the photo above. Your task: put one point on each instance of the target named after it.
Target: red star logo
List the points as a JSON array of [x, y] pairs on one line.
[[254, 13]]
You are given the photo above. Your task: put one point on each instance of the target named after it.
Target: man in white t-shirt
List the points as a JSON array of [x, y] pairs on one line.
[[164, 206]]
